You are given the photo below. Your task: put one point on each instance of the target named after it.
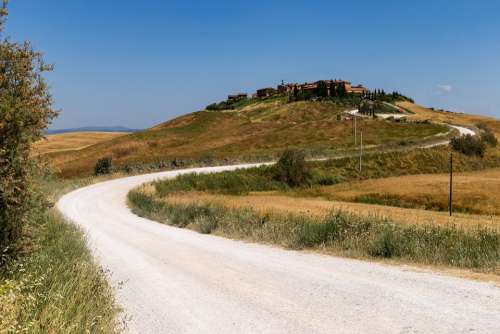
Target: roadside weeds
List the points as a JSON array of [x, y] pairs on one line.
[[338, 233], [54, 285]]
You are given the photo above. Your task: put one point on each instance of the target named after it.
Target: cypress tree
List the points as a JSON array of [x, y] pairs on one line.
[[333, 90], [322, 89], [342, 90]]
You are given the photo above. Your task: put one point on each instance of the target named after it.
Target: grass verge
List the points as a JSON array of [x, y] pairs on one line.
[[53, 285], [340, 233]]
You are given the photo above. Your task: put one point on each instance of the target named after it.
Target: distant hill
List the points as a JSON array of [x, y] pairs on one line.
[[93, 129]]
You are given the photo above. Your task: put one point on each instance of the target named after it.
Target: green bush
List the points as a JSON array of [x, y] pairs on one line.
[[383, 245], [468, 145], [487, 136], [291, 169], [103, 166]]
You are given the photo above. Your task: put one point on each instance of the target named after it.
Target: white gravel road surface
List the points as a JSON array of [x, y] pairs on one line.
[[461, 130], [171, 280]]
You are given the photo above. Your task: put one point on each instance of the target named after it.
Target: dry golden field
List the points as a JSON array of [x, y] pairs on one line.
[[73, 141], [273, 202], [475, 192]]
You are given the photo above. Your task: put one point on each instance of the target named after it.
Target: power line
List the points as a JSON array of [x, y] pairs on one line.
[[355, 132]]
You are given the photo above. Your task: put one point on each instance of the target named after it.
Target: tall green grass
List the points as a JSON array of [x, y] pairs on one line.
[[327, 172], [53, 285], [342, 233], [236, 182]]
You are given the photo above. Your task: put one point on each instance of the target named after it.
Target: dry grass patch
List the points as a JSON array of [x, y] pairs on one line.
[[474, 192], [73, 141], [273, 202]]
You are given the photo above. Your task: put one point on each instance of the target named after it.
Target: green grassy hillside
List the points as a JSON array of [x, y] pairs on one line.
[[253, 131]]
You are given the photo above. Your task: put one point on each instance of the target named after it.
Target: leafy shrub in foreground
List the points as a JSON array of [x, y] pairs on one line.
[[25, 112]]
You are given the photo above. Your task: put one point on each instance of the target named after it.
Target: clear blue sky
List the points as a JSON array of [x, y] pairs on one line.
[[138, 63]]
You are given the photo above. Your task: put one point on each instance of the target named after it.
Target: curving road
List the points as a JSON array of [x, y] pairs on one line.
[[462, 131], [171, 280]]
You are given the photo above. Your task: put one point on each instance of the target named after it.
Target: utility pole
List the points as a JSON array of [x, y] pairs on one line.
[[361, 151], [451, 183], [355, 132]]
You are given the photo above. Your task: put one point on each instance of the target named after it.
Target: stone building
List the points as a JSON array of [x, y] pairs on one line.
[[266, 92], [237, 97]]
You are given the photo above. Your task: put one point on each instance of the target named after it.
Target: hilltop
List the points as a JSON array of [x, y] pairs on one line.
[[314, 117], [256, 131]]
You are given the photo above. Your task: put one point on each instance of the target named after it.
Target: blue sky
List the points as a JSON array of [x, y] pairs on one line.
[[138, 63]]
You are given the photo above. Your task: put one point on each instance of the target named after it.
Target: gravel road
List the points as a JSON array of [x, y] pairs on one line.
[[171, 280]]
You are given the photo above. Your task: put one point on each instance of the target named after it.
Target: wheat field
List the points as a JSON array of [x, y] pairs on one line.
[[272, 202], [474, 192], [73, 141]]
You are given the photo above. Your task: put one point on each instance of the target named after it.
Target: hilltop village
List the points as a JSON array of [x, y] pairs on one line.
[[339, 91], [328, 88]]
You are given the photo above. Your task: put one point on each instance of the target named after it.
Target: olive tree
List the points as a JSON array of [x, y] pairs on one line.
[[25, 112], [291, 169]]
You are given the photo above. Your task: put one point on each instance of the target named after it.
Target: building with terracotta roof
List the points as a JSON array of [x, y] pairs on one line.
[[359, 89], [266, 92], [310, 87], [237, 97]]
